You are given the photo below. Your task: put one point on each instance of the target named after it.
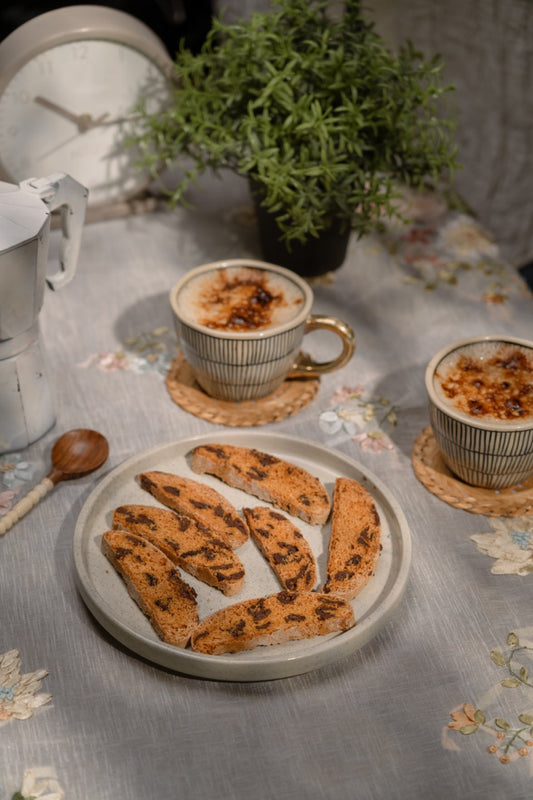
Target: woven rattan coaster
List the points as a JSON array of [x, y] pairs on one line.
[[292, 396], [432, 472]]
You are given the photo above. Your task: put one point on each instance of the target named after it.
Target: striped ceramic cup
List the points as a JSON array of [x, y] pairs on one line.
[[481, 409], [240, 324]]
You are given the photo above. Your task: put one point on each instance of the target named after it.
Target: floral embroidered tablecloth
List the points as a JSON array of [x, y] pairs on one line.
[[439, 704]]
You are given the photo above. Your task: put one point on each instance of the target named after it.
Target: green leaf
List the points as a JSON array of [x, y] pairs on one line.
[[513, 640], [527, 719], [498, 658], [502, 723], [524, 674], [467, 729], [511, 683], [480, 717]]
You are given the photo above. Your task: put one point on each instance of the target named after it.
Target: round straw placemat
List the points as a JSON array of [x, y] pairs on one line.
[[292, 396], [434, 474]]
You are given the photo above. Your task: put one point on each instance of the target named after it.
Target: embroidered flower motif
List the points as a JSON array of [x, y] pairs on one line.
[[424, 260], [464, 719], [521, 538], [344, 393], [107, 362], [421, 206], [510, 543], [15, 471], [496, 298], [352, 413], [509, 740], [330, 422], [40, 783], [466, 239], [147, 352], [14, 468], [18, 698], [353, 418], [439, 244], [6, 500], [374, 441], [420, 234]]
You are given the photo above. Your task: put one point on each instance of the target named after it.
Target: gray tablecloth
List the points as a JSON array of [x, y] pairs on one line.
[[420, 710]]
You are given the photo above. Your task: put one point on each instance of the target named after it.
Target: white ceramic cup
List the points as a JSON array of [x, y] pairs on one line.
[[245, 363], [480, 449]]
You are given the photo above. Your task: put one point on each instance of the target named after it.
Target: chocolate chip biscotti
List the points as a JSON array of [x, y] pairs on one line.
[[198, 501], [273, 619], [355, 542], [186, 543], [267, 477], [284, 547], [155, 584]]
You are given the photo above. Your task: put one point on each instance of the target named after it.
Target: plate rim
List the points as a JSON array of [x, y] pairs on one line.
[[226, 667]]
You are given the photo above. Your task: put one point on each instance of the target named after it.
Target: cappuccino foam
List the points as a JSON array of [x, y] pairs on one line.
[[488, 380], [240, 299]]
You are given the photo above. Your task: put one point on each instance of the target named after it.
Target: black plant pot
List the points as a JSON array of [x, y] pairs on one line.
[[310, 259]]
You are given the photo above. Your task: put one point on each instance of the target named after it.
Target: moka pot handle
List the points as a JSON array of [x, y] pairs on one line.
[[62, 191]]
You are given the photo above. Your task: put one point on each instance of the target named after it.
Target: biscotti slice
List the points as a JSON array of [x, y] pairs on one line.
[[196, 500], [284, 547], [155, 584], [355, 542], [267, 477], [273, 619], [186, 543]]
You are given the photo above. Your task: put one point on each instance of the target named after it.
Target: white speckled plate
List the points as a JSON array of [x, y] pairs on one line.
[[105, 594]]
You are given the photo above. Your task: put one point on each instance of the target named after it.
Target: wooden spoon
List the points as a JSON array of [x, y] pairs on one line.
[[74, 454]]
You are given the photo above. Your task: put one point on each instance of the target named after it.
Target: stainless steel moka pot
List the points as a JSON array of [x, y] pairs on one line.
[[26, 405]]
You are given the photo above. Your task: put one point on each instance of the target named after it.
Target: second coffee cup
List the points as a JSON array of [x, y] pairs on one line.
[[240, 324]]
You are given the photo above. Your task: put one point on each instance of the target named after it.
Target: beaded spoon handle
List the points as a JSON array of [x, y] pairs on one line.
[[75, 454]]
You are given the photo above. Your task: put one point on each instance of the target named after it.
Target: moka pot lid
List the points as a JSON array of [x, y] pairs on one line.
[[22, 216]]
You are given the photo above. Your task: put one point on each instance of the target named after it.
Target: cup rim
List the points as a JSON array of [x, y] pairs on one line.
[[491, 425], [226, 263]]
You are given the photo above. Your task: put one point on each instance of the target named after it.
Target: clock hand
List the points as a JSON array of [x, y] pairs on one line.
[[93, 123], [119, 120], [84, 121], [58, 146], [99, 121], [77, 119]]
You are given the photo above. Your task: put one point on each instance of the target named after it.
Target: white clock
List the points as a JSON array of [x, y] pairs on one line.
[[70, 80]]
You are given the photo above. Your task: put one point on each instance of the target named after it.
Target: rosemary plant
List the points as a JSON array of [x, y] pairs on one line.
[[323, 118]]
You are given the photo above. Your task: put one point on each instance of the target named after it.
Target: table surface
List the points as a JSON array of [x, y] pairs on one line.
[[438, 703]]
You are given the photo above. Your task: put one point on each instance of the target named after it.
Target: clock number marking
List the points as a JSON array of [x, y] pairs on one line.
[[46, 66], [19, 97]]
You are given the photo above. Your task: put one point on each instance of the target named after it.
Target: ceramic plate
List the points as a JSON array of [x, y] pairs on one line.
[[105, 594]]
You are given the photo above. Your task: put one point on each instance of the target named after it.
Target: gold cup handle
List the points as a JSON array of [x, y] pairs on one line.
[[305, 367]]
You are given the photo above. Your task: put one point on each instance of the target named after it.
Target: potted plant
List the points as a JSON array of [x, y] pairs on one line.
[[317, 112]]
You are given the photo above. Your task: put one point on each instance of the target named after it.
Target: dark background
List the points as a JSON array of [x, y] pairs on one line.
[[174, 21], [430, 24]]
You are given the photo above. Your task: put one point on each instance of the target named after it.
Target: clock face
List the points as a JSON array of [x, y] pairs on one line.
[[70, 109]]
